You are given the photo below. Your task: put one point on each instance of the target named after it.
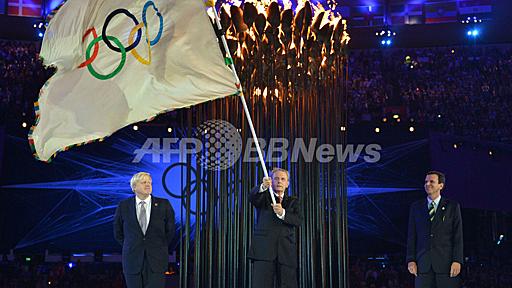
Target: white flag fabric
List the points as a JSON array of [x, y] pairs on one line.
[[120, 62]]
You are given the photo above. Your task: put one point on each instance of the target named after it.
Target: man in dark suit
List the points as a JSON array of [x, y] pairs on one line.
[[434, 241], [273, 247], [144, 225]]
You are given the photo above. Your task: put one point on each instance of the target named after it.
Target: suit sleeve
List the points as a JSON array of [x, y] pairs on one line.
[[118, 225], [458, 251], [411, 237], [170, 226], [258, 199], [293, 214]]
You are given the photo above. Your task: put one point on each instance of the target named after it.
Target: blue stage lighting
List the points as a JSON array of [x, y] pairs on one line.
[[71, 265], [473, 33], [40, 34], [388, 42], [383, 42]]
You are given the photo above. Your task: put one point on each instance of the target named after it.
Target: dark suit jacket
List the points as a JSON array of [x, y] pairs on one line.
[[155, 243], [275, 238], [435, 244]]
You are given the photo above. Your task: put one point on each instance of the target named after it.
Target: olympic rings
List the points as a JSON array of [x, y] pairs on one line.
[[119, 67], [107, 21], [96, 47], [134, 51], [146, 6], [115, 44]]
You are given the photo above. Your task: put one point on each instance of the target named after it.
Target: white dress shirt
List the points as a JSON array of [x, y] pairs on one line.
[[148, 208]]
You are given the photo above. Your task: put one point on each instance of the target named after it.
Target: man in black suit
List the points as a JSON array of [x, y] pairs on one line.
[[273, 247], [434, 241], [144, 225]]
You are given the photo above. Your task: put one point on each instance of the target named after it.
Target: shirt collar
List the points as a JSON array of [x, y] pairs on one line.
[[436, 201], [138, 200]]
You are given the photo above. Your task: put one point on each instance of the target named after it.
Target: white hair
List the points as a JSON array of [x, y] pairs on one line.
[[280, 170], [136, 178]]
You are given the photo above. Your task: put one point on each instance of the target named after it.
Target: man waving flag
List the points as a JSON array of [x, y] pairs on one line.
[[120, 62]]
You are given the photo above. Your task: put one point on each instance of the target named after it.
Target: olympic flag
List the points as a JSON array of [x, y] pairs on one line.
[[120, 62]]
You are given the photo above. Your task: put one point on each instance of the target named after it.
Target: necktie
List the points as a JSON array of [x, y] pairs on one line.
[[279, 199], [142, 217], [431, 211]]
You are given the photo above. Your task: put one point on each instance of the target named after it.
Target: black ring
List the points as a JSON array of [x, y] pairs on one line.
[[164, 182], [107, 21]]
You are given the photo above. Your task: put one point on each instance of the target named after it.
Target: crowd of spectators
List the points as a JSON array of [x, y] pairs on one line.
[[21, 76], [392, 273], [365, 272], [464, 91], [22, 274]]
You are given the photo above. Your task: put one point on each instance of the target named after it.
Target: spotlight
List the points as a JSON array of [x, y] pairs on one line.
[[411, 129], [490, 153], [169, 129], [396, 116], [343, 128], [40, 28], [24, 124], [384, 119], [455, 146], [71, 265], [377, 130], [473, 33], [135, 127], [500, 239], [386, 36]]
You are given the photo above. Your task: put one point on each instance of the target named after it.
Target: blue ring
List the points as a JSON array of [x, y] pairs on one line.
[[144, 10]]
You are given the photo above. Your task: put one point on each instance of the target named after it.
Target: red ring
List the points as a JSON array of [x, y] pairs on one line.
[[96, 47]]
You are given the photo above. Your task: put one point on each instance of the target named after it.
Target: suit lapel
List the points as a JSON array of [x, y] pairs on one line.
[[133, 207], [284, 202], [154, 205], [424, 210], [441, 209]]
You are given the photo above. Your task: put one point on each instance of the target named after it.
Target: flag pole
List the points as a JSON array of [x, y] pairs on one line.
[[211, 3]]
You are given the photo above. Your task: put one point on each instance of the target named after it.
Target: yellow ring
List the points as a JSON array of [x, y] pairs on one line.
[[134, 50]]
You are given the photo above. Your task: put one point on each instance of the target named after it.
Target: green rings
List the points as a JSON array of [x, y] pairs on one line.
[[119, 67]]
